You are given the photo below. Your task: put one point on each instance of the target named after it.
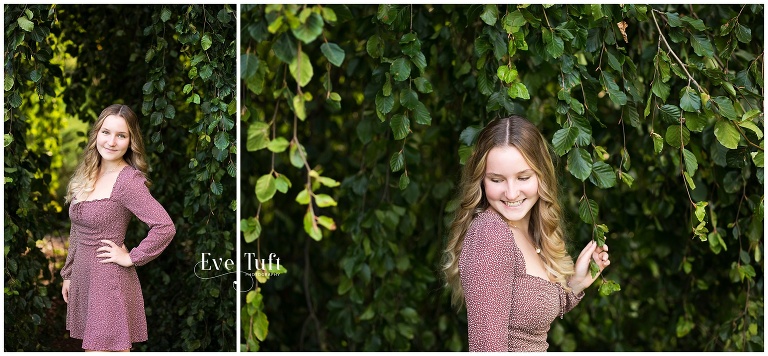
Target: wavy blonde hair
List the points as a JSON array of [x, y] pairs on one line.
[[545, 224], [87, 170]]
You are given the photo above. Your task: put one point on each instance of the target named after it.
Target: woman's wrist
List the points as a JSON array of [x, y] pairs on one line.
[[576, 288]]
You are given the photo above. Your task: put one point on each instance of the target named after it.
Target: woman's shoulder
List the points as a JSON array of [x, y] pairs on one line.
[[488, 225], [130, 176]]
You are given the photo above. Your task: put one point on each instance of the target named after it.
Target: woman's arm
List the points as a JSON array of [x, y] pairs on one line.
[[486, 270], [136, 198]]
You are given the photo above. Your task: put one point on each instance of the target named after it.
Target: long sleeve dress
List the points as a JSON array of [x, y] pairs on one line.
[[106, 307], [507, 309]]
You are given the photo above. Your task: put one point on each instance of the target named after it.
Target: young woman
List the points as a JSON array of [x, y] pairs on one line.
[[105, 307], [506, 255]]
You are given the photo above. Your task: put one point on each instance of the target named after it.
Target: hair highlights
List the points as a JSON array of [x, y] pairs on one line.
[[545, 224], [87, 170]]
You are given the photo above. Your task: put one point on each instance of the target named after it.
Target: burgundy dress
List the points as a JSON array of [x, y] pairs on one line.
[[507, 309], [106, 307]]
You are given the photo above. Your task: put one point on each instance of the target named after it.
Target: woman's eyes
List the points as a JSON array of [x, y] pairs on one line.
[[119, 135], [496, 180]]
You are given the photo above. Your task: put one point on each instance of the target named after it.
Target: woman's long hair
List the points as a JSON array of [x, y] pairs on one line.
[[87, 170], [544, 228]]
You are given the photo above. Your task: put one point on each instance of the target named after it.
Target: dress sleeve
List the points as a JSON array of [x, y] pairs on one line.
[[486, 269], [135, 196], [66, 271], [568, 301]]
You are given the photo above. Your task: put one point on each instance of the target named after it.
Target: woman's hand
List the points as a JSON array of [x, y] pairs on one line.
[[113, 253], [65, 290], [582, 278]]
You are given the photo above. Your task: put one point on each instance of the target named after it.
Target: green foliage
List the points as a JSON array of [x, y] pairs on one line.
[[175, 66], [657, 108]]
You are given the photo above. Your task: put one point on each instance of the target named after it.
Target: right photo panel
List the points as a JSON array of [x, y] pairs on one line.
[[501, 177]]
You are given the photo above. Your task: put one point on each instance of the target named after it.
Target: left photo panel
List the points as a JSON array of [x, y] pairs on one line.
[[120, 166]]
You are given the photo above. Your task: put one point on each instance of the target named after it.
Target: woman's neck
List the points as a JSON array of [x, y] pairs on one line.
[[109, 167]]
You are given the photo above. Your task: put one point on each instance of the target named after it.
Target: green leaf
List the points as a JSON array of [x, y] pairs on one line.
[[156, 118], [727, 134], [626, 178], [223, 16], [658, 142], [700, 210], [400, 125], [564, 139], [310, 226], [588, 210], [303, 197], [674, 133], [743, 33], [384, 104], [409, 98], [513, 21], [660, 89], [251, 229], [670, 113], [260, 326], [258, 136], [518, 90], [421, 114], [691, 164], [553, 43], [297, 154], [222, 140], [310, 29], [324, 200], [328, 182], [609, 287], [333, 52], [217, 188], [206, 42], [580, 163], [701, 45], [8, 82], [298, 107], [404, 181], [265, 187], [397, 162], [25, 24], [602, 175], [725, 107], [374, 46], [689, 100], [684, 326], [400, 69], [423, 85], [751, 114], [278, 145], [7, 139], [594, 269], [490, 14], [326, 222], [282, 183], [695, 122], [165, 15], [301, 69]]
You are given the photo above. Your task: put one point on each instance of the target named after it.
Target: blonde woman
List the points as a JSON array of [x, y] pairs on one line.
[[506, 256], [105, 307]]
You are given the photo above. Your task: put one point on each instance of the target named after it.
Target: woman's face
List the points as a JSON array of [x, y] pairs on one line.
[[113, 138], [511, 186]]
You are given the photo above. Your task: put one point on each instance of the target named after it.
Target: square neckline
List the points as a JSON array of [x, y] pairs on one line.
[[111, 191], [517, 249]]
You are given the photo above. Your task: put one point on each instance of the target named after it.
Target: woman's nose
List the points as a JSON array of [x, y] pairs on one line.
[[511, 192]]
